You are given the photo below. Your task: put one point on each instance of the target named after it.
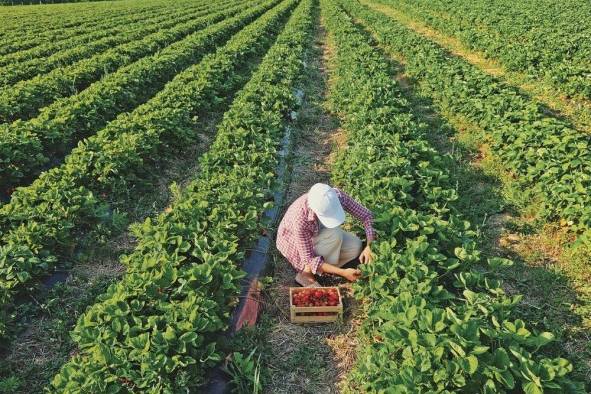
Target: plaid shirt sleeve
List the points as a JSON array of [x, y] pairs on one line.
[[305, 247], [358, 211]]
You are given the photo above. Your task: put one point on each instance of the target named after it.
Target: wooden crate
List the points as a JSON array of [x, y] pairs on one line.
[[296, 312]]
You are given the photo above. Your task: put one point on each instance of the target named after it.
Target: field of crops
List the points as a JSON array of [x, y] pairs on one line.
[[142, 144]]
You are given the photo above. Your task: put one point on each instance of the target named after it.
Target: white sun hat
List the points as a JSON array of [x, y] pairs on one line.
[[324, 202]]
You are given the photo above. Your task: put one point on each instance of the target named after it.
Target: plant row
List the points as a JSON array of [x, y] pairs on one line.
[[14, 73], [27, 147], [46, 220], [539, 40], [161, 327], [41, 45], [19, 38], [31, 2], [26, 98], [437, 320], [24, 31], [63, 52], [548, 158]]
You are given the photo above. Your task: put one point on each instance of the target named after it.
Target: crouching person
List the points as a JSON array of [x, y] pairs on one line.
[[310, 237]]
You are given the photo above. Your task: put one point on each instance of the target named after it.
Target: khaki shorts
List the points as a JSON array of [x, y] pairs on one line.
[[337, 246]]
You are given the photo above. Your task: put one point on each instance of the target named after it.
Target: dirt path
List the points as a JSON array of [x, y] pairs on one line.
[[578, 111], [308, 359]]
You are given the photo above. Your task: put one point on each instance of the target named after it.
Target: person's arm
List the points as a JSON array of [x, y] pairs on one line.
[[359, 212], [350, 274], [364, 215], [306, 248], [317, 265]]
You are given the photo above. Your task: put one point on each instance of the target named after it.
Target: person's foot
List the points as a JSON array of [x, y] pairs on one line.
[[306, 279]]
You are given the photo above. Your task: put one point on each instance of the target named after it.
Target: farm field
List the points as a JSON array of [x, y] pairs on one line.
[[537, 38], [143, 145]]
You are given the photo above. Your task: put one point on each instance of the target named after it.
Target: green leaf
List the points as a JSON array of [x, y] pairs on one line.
[[413, 337], [532, 388], [169, 334], [457, 349], [477, 350], [506, 377], [461, 253], [502, 359], [470, 296], [498, 262], [472, 364]]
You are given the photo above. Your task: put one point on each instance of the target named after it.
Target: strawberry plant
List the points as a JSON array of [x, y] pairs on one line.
[[16, 71], [25, 99], [158, 330], [100, 29], [27, 32], [26, 147], [82, 34], [537, 38], [547, 157], [28, 2], [437, 319], [45, 220]]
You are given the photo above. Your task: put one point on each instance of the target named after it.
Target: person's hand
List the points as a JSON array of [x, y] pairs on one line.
[[366, 256], [351, 274]]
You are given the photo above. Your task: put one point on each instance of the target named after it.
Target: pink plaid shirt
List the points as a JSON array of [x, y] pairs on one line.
[[300, 224]]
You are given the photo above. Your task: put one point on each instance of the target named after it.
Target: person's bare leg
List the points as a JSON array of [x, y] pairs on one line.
[[306, 278]]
